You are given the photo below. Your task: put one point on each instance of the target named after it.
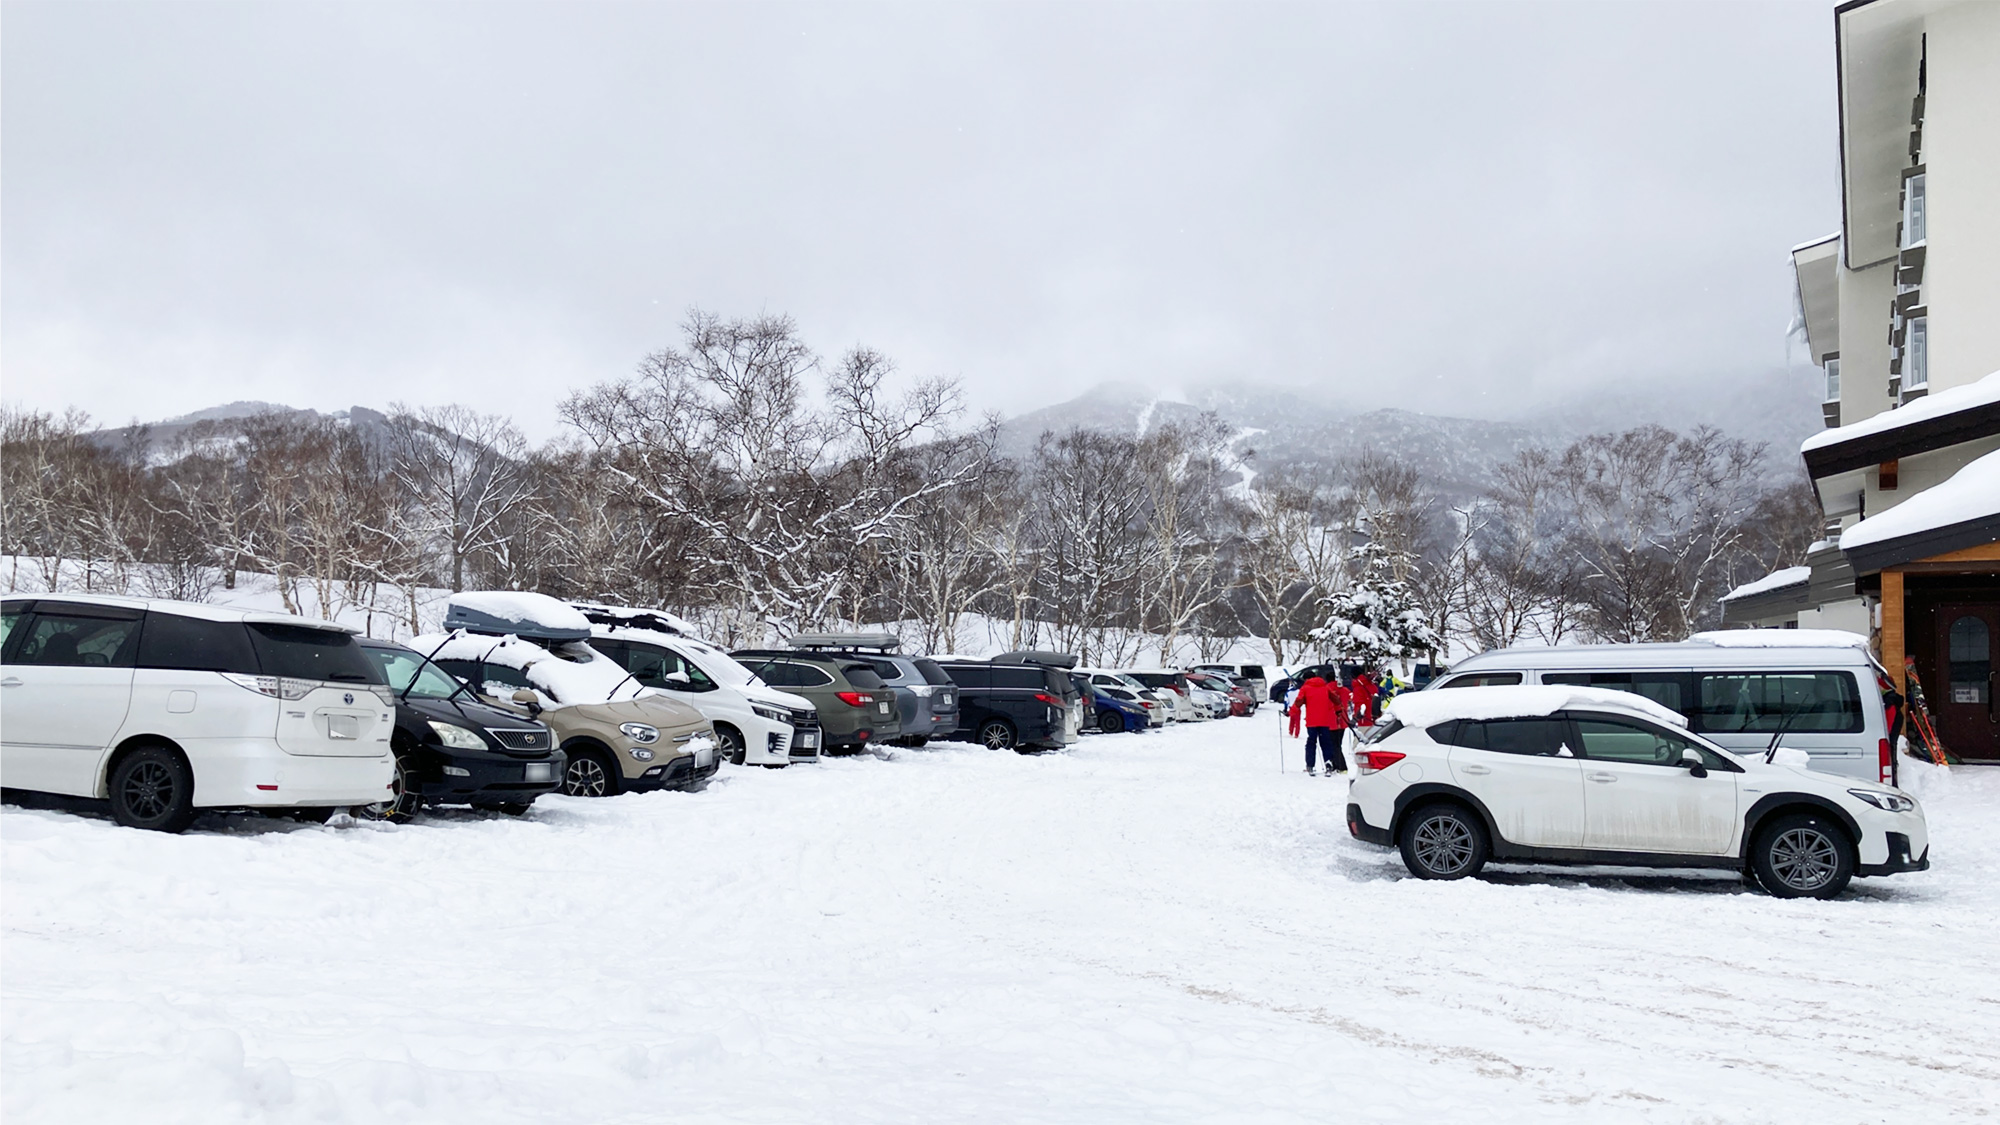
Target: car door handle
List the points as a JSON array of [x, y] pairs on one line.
[[10, 681], [1605, 777], [1479, 769]]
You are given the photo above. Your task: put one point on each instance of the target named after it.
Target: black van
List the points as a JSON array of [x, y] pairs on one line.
[[1015, 706]]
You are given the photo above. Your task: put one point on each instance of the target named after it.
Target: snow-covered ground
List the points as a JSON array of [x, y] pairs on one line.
[[1157, 927]]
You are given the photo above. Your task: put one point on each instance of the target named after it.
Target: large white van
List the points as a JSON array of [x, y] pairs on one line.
[[166, 707], [1737, 688]]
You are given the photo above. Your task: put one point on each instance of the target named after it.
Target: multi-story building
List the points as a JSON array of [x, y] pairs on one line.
[[1902, 314]]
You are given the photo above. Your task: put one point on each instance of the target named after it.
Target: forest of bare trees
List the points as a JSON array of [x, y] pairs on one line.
[[745, 481]]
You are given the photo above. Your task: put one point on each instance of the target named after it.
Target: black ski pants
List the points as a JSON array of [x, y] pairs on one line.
[[1327, 740]]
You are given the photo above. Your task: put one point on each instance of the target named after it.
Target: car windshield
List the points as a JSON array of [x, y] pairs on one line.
[[720, 666], [409, 672]]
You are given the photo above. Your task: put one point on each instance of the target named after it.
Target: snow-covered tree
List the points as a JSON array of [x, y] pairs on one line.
[[1377, 618]]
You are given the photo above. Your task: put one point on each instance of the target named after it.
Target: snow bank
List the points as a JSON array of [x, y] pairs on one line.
[[1776, 580], [1983, 393], [580, 674], [1423, 708], [1972, 493], [1781, 638]]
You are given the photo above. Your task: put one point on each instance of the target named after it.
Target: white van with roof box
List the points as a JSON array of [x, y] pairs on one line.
[[1817, 690], [163, 708]]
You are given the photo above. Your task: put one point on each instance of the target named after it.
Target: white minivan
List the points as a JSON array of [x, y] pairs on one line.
[[1736, 688], [164, 708]]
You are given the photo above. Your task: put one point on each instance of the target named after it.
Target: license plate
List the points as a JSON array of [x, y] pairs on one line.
[[809, 738], [346, 728], [884, 707], [704, 759], [539, 771]]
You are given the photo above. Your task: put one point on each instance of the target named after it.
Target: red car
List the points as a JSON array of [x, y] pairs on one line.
[[1241, 702]]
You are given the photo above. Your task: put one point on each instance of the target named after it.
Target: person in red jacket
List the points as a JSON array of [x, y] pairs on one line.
[[1324, 703], [1363, 691]]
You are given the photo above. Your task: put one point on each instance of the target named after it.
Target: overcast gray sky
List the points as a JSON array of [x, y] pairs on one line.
[[1460, 207]]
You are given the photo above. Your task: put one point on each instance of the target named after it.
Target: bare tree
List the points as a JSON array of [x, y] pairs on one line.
[[463, 474]]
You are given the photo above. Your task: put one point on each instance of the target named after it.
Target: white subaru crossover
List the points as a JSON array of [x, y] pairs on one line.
[[163, 708], [1562, 775]]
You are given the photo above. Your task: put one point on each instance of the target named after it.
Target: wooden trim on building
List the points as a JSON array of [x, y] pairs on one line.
[[1892, 627]]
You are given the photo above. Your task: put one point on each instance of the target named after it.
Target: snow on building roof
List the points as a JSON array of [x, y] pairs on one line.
[[576, 674], [1972, 493], [1985, 392], [500, 612], [1425, 708], [1776, 580], [1781, 638]]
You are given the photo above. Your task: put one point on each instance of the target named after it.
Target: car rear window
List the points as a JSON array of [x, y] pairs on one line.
[[1059, 682], [887, 670], [934, 673], [304, 653], [862, 676], [1253, 671], [169, 640]]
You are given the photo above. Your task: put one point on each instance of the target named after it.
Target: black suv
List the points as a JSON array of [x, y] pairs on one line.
[[452, 749], [1015, 706]]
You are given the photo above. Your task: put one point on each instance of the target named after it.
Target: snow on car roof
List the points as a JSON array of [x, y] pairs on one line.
[[519, 612], [581, 674], [1971, 493], [1425, 708], [628, 617], [1781, 638]]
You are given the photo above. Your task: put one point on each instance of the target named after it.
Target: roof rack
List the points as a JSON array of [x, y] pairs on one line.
[[882, 642], [1037, 656]]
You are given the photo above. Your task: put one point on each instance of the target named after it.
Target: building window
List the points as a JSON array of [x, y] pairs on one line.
[[1913, 211], [1833, 380], [1916, 362]]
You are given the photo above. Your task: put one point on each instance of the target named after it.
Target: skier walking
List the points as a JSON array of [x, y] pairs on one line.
[[1324, 704]]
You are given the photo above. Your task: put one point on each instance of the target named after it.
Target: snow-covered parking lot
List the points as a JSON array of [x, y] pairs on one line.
[[1150, 927]]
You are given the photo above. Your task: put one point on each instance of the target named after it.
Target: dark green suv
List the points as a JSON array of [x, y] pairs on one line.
[[855, 706]]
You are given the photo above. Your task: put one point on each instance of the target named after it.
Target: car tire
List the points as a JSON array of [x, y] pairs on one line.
[[590, 773], [1110, 722], [997, 734], [401, 804], [1443, 842], [152, 788], [1803, 855], [729, 741]]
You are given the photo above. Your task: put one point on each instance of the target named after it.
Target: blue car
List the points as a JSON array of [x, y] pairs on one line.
[[1112, 709]]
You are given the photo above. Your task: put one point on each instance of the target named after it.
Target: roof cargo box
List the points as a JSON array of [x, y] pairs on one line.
[[499, 612], [884, 642]]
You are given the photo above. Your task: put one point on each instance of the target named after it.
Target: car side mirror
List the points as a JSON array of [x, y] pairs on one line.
[[1692, 760], [678, 678], [528, 699]]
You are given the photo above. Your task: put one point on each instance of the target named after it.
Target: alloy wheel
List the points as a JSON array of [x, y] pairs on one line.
[[585, 777], [1803, 858], [1444, 844], [149, 790], [996, 736]]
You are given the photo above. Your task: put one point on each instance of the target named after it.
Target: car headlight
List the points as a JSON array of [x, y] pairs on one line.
[[457, 737], [640, 732], [1887, 802], [773, 714]]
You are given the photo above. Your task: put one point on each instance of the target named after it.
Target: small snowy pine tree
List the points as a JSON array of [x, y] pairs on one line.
[[1377, 618]]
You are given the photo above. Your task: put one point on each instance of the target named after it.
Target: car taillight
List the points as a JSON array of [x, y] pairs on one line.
[[1373, 760], [1051, 700], [277, 687], [1888, 761], [855, 698]]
